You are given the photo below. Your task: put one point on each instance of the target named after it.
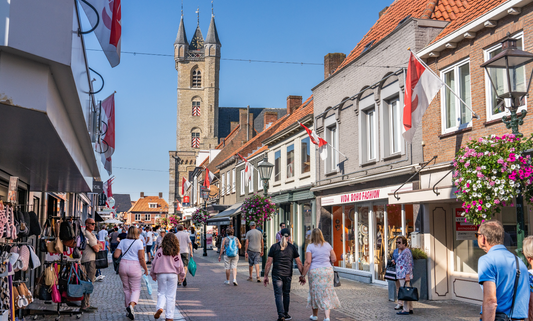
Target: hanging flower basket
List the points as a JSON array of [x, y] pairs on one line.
[[200, 217], [173, 220], [490, 172], [258, 209], [163, 222]]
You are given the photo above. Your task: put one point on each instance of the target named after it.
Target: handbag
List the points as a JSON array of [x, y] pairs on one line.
[[336, 279], [117, 260], [58, 246], [45, 292], [192, 266], [88, 286], [101, 259], [56, 296], [390, 272], [74, 290], [407, 293]]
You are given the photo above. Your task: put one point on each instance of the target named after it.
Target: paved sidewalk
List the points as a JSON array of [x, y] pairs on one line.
[[207, 298]]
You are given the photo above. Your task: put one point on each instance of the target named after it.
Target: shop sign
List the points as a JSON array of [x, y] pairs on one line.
[[12, 195], [186, 201], [362, 196], [464, 230]]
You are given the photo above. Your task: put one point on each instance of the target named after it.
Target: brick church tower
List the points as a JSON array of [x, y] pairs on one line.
[[198, 66]]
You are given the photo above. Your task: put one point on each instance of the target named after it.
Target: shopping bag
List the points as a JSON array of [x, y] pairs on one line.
[[148, 284], [336, 279], [101, 259], [192, 266], [390, 272], [407, 293]]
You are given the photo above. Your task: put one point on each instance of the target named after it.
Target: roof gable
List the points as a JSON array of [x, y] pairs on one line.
[[143, 205]]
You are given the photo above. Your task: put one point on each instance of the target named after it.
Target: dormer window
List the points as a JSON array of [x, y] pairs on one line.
[[152, 205], [196, 78]]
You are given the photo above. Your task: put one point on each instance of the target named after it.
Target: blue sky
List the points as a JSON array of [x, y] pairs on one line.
[[289, 31]]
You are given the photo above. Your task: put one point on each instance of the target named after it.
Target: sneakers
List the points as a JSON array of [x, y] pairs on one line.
[[312, 317], [235, 282], [131, 313], [281, 319], [184, 282], [398, 307], [158, 313], [226, 282], [249, 279], [259, 281], [326, 319], [99, 278], [402, 313], [287, 317]]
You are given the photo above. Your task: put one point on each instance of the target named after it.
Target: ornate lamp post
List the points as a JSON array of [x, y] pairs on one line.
[[265, 171], [205, 195], [508, 81]]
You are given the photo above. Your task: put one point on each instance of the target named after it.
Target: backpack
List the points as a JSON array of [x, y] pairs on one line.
[[231, 247], [66, 231]]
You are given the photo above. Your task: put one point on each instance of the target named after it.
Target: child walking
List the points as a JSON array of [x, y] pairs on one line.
[[167, 267]]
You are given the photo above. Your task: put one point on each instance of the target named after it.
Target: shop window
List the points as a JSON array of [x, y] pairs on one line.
[[455, 114], [277, 166], [307, 225], [290, 161], [495, 109], [349, 237], [380, 241], [363, 244], [325, 224], [305, 155]]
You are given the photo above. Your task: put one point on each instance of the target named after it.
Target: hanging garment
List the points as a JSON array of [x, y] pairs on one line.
[[3, 218]]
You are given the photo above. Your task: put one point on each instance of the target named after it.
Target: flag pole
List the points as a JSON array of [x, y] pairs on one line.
[[338, 151], [476, 116]]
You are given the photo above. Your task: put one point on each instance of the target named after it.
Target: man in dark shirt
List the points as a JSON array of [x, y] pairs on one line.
[[280, 257]]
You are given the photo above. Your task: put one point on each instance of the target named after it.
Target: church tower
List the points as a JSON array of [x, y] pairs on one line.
[[198, 64]]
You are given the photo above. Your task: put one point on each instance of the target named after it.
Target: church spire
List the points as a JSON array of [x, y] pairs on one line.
[[182, 36], [212, 34]]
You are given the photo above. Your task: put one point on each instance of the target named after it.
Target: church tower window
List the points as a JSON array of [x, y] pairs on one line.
[[195, 140], [196, 108], [196, 78]]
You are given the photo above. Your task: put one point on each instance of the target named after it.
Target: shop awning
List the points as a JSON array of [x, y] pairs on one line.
[[225, 216]]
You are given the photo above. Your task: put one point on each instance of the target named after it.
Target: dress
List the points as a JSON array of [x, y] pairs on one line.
[[321, 292]]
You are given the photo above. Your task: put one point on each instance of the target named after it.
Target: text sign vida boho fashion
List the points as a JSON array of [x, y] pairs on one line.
[[363, 196]]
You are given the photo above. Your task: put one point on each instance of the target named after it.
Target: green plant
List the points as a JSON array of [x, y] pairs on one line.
[[490, 172], [200, 217], [419, 254], [258, 209]]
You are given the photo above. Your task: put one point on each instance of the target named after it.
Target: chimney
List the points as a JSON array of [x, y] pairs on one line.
[[268, 118], [247, 126], [142, 194], [161, 195], [331, 62], [293, 102], [383, 11]]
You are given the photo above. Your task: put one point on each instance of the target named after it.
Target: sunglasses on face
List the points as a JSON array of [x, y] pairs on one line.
[[477, 234], [399, 242], [91, 223]]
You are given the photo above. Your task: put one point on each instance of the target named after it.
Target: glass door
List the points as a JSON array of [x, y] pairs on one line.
[[379, 244], [363, 240]]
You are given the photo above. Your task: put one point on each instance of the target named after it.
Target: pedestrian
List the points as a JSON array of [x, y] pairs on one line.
[[149, 243], [193, 238], [319, 258], [88, 259], [159, 239], [504, 297], [185, 249], [527, 250], [167, 269], [278, 234], [280, 257], [132, 251], [122, 235], [102, 237], [253, 250], [395, 255], [404, 271], [230, 246]]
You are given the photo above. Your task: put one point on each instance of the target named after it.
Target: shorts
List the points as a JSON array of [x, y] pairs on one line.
[[148, 248], [185, 259], [230, 263], [254, 258]]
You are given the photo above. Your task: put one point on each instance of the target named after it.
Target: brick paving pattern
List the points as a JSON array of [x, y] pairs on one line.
[[207, 298]]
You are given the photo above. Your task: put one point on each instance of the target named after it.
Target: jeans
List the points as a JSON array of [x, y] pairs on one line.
[[166, 293], [90, 268], [130, 273], [282, 293]]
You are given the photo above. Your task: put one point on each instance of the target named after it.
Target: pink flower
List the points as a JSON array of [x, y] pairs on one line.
[[479, 208], [480, 202], [496, 201], [478, 168], [500, 161]]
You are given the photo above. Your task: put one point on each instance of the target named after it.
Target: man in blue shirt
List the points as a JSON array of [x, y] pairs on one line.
[[496, 272]]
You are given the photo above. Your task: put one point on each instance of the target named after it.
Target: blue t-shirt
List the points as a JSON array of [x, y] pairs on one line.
[[499, 266]]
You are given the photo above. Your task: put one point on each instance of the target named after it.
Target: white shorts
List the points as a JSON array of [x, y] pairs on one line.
[[230, 262]]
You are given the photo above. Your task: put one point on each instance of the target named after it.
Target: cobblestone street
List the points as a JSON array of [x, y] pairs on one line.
[[207, 298]]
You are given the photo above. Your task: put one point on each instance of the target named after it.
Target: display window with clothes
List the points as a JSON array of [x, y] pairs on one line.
[[363, 234]]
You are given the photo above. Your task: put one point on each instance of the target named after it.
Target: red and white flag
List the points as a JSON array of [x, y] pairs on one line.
[[421, 86], [248, 168], [109, 29], [315, 139], [107, 126], [184, 185], [209, 177]]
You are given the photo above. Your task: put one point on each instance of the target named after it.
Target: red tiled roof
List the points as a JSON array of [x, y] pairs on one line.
[[260, 150], [447, 10], [474, 10], [305, 109], [142, 205]]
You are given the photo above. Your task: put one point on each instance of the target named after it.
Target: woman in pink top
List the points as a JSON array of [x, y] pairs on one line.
[[166, 268]]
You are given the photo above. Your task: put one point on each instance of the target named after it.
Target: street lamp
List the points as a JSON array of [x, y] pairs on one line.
[[204, 193], [506, 72], [265, 171]]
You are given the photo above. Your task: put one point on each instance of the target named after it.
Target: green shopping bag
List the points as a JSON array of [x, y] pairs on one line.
[[192, 266]]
